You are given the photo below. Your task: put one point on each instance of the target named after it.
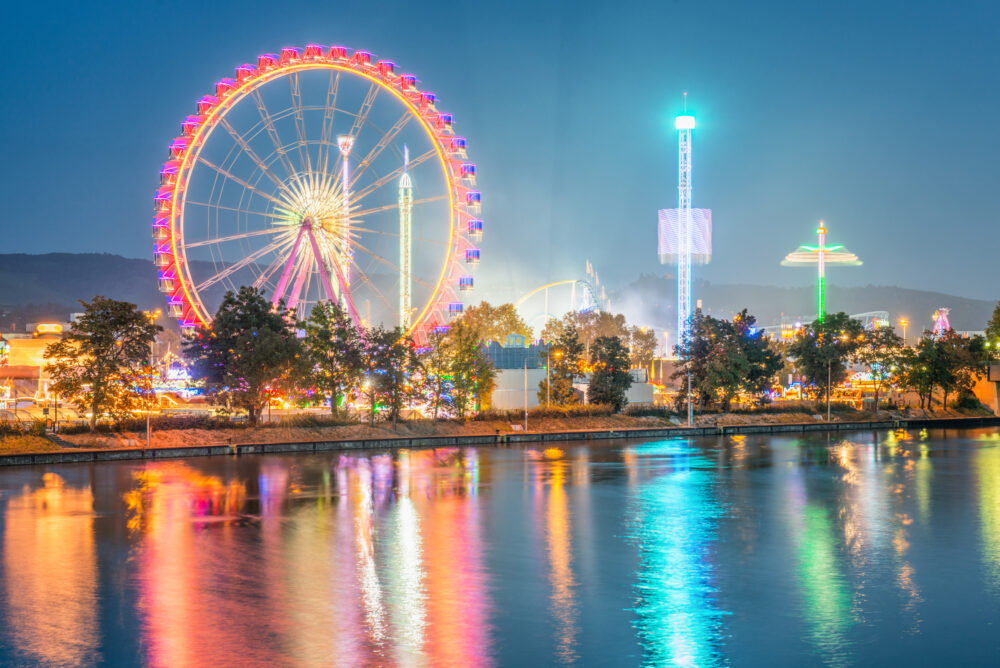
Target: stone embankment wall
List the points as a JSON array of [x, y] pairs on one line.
[[84, 456]]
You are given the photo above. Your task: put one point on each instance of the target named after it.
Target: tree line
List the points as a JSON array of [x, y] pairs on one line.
[[726, 359], [254, 351]]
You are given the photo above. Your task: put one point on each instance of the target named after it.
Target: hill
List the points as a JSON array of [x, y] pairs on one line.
[[650, 300], [47, 287]]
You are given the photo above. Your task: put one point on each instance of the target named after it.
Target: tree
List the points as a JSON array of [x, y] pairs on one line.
[[610, 379], [249, 350], [472, 372], [496, 323], [958, 363], [764, 361], [436, 364], [725, 358], [880, 351], [459, 375], [98, 364], [390, 361], [823, 348], [565, 357], [333, 350], [642, 346], [589, 325], [992, 342], [918, 370]]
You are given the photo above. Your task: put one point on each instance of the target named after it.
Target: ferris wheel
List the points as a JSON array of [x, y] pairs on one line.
[[319, 174]]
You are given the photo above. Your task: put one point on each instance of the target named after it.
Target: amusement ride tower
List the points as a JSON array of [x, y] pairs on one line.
[[685, 234], [821, 255], [405, 242]]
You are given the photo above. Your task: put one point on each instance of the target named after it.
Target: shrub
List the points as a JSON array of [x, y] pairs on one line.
[[516, 414], [649, 410], [967, 401]]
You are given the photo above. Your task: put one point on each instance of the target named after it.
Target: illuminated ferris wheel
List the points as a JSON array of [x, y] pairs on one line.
[[319, 174]]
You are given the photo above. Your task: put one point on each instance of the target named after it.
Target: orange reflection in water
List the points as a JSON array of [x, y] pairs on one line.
[[190, 562], [457, 597], [50, 574], [379, 563], [561, 572]]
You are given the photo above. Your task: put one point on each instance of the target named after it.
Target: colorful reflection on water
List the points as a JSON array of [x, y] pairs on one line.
[[878, 548], [672, 519]]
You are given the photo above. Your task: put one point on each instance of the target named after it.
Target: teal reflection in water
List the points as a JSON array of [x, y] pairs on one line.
[[672, 519]]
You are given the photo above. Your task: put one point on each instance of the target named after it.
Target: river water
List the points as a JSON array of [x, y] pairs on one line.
[[860, 549]]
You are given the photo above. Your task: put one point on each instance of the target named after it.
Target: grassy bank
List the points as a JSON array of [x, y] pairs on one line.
[[26, 444]]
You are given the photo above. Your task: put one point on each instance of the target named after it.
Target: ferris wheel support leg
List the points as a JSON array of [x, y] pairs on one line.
[[286, 273], [327, 285], [293, 296], [347, 294]]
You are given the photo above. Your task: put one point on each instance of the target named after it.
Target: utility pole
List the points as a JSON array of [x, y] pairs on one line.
[[828, 388], [526, 394]]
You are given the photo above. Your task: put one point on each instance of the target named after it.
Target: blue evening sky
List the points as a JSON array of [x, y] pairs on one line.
[[879, 117]]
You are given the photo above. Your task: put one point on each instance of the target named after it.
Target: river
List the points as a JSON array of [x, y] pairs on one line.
[[843, 549]]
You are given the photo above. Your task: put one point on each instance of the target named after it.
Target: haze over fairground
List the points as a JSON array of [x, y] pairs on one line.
[[873, 117]]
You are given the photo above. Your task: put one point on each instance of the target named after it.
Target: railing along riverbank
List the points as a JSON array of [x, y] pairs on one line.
[[507, 438]]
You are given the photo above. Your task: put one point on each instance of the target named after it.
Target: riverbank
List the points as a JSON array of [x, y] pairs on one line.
[[624, 427]]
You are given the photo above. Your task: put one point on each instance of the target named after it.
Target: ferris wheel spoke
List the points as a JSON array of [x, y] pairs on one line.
[[361, 231], [378, 293], [329, 111], [246, 148], [384, 261], [390, 177], [272, 132], [236, 266], [235, 237], [266, 275], [235, 209], [300, 130], [359, 121], [389, 207], [232, 177], [380, 146], [366, 107]]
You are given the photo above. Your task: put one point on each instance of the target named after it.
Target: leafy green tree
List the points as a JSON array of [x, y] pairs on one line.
[[98, 364], [881, 352], [823, 348], [992, 342], [565, 356], [390, 363], [918, 365], [472, 372], [334, 351], [496, 323], [959, 362], [459, 375], [249, 350], [642, 346], [610, 379], [726, 358], [436, 364], [763, 360]]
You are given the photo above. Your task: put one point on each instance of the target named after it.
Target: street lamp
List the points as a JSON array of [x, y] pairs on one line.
[[903, 323]]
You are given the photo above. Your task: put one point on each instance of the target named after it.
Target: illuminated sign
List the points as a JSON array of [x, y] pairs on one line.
[[48, 328]]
